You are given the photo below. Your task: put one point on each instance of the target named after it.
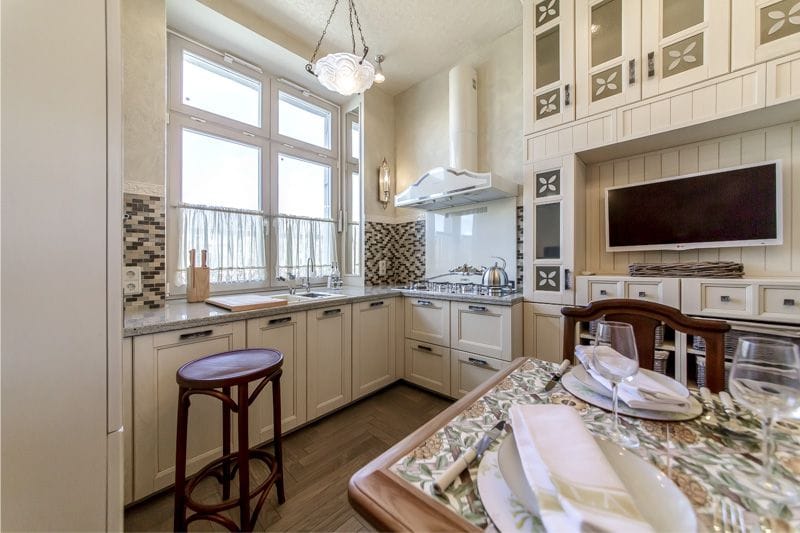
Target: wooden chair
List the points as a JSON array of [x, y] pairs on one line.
[[645, 317]]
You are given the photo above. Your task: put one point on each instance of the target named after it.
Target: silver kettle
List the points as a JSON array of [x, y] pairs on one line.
[[496, 276]]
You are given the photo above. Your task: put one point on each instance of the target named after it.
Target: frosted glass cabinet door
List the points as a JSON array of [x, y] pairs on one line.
[[683, 42], [763, 30], [548, 63], [607, 55]]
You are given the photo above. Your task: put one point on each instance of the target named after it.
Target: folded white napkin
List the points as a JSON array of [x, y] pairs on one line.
[[575, 486], [640, 391]]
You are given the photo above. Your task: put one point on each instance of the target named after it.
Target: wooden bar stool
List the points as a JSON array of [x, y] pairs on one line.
[[214, 376]]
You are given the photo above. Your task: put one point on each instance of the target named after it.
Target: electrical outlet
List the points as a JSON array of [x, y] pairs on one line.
[[382, 267], [131, 280]]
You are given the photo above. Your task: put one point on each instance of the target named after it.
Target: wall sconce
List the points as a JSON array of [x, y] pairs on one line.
[[384, 183]]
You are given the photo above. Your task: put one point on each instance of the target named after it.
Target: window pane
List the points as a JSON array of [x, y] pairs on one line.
[[355, 197], [355, 141], [303, 121], [219, 172], [548, 62], [353, 250], [221, 91], [304, 188]]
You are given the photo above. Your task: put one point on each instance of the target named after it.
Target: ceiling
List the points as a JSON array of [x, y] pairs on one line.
[[418, 37]]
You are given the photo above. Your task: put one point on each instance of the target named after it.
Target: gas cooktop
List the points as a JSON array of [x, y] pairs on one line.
[[450, 287]]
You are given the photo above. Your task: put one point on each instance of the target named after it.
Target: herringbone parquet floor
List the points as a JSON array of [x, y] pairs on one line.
[[318, 462]]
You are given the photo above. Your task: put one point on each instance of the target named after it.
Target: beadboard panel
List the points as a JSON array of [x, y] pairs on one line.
[[723, 96], [778, 142], [783, 79], [577, 136]]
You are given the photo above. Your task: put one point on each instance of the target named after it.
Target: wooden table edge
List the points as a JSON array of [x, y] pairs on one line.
[[392, 504]]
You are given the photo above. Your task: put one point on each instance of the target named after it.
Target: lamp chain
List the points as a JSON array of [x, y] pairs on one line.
[[310, 64], [360, 32]]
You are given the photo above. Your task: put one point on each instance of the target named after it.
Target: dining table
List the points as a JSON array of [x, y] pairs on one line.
[[708, 463]]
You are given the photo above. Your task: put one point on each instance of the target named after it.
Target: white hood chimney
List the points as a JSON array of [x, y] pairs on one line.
[[463, 118]]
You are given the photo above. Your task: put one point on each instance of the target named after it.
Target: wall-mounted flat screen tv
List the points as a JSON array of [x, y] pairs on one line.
[[739, 206]]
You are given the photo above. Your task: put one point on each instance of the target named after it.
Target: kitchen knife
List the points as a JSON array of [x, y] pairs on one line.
[[204, 258], [462, 461], [557, 376]]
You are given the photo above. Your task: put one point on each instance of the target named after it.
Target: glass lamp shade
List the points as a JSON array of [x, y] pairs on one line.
[[342, 72]]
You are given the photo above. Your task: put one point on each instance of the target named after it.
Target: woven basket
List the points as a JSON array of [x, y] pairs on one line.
[[708, 269]]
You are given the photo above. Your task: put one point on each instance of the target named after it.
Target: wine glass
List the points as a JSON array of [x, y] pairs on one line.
[[615, 358], [765, 378]]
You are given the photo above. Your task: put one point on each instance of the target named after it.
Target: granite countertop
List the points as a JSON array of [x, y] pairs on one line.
[[178, 314]]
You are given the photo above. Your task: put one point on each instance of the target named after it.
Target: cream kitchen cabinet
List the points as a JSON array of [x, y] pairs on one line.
[[156, 359], [428, 365], [468, 371], [683, 42], [544, 331], [548, 67], [490, 330], [551, 220], [329, 371], [608, 43], [428, 320], [768, 300], [660, 290], [287, 334], [763, 30], [373, 346]]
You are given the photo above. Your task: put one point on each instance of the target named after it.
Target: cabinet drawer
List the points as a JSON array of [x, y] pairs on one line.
[[601, 290], [663, 291], [727, 299], [428, 365], [481, 328], [468, 371], [780, 302], [428, 320]]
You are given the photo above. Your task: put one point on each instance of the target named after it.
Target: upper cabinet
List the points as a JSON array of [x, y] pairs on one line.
[[548, 65], [763, 30], [607, 55], [683, 42]]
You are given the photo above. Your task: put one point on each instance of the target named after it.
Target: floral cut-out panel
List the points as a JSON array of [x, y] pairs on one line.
[[548, 279], [546, 10], [548, 104], [779, 20], [682, 56], [607, 83], [548, 183]]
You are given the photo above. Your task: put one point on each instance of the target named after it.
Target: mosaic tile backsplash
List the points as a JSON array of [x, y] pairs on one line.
[[520, 247], [145, 238], [401, 245]]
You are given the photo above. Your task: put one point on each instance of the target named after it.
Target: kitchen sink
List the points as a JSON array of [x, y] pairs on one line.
[[301, 297], [318, 295]]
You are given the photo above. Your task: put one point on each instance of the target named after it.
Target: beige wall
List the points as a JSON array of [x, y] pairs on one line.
[[421, 132], [144, 49], [379, 139], [779, 142]]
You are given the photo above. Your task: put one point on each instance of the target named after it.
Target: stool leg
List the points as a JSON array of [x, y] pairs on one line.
[[276, 441], [180, 461], [243, 459], [226, 446]]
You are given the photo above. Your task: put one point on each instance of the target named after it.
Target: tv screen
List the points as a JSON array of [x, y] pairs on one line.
[[739, 206]]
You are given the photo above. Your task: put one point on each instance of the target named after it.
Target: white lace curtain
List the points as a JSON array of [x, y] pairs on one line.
[[234, 240], [301, 238]]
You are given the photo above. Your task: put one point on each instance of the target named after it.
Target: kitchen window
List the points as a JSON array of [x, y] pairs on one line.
[[253, 173], [352, 197]]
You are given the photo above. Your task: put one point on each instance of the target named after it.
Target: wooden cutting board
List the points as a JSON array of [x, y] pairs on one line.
[[245, 302]]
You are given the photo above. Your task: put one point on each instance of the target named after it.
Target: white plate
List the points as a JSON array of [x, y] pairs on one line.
[[511, 503], [578, 382]]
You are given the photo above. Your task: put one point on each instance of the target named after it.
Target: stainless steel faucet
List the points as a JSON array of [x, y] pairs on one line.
[[309, 265]]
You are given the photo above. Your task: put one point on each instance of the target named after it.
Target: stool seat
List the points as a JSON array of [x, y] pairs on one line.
[[229, 369]]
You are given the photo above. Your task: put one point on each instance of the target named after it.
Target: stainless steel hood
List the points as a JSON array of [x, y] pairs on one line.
[[454, 185]]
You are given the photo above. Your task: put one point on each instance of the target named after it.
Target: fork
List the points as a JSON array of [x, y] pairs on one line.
[[729, 517]]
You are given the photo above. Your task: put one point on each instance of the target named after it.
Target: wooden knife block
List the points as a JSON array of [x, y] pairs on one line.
[[197, 286]]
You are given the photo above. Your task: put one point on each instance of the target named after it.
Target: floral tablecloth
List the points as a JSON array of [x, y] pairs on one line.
[[704, 462]]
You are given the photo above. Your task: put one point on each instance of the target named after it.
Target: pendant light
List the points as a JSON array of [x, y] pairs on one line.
[[379, 76], [344, 72]]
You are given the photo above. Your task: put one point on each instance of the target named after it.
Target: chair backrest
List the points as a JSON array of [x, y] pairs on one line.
[[645, 317]]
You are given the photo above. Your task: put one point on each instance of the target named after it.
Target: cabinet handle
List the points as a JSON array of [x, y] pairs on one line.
[[423, 302], [566, 95], [376, 304], [279, 320], [567, 279], [426, 348], [631, 72], [330, 312], [724, 298], [642, 294], [788, 302], [195, 335], [651, 64], [479, 308], [603, 292]]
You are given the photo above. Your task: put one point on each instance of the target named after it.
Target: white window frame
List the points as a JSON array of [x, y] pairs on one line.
[[182, 116], [352, 165]]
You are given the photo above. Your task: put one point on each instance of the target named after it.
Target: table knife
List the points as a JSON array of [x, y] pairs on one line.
[[462, 461], [557, 376]]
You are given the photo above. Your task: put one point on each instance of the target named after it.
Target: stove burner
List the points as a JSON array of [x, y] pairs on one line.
[[445, 287]]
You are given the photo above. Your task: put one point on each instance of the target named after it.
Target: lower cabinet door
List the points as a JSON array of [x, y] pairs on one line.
[[428, 365], [156, 359], [287, 334], [373, 346], [329, 360], [468, 371]]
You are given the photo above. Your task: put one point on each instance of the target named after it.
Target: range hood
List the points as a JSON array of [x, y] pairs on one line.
[[455, 185]]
